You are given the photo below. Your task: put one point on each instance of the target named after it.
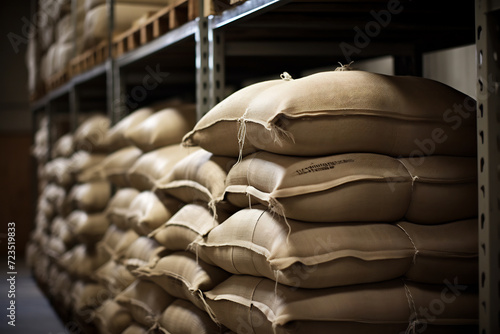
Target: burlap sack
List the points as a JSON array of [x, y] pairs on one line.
[[357, 187], [136, 329], [113, 168], [183, 317], [60, 229], [190, 223], [116, 238], [316, 255], [88, 228], [90, 136], [81, 161], [183, 276], [91, 196], [198, 177], [115, 137], [118, 205], [59, 171], [55, 247], [165, 127], [111, 318], [87, 297], [145, 301], [140, 252], [96, 20], [146, 212], [247, 304], [81, 261], [114, 276], [339, 112], [63, 147], [155, 165]]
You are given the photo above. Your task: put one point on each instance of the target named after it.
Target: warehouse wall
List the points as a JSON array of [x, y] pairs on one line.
[[16, 169]]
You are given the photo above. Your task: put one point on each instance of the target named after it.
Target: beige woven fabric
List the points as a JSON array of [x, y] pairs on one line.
[[113, 168], [183, 317], [183, 276], [154, 165], [115, 137], [118, 206], [200, 176], [146, 212], [318, 255], [81, 261], [111, 318], [257, 305], [135, 329], [190, 223], [91, 196], [165, 127], [112, 238], [88, 228], [63, 147], [90, 136], [341, 111], [145, 301], [139, 253], [114, 276], [357, 187]]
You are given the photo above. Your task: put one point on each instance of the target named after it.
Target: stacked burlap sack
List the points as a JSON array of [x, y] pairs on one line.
[[358, 209]]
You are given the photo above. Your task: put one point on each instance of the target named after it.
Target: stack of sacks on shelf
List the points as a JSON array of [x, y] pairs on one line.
[[357, 197], [62, 251], [95, 28], [59, 35]]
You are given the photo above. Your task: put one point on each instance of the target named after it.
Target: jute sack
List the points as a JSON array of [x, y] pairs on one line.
[[87, 297], [135, 329], [116, 238], [81, 161], [247, 304], [146, 212], [88, 228], [190, 223], [111, 318], [55, 247], [198, 177], [183, 276], [91, 196], [63, 147], [96, 20], [140, 252], [357, 187], [60, 229], [114, 276], [183, 317], [90, 136], [59, 171], [165, 127], [81, 261], [118, 205], [320, 255], [342, 111], [115, 136], [444, 251], [154, 165], [145, 301], [61, 285], [113, 168]]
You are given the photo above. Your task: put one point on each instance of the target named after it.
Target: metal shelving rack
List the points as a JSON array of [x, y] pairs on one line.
[[266, 37]]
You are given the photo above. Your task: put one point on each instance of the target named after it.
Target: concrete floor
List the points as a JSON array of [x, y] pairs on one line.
[[34, 314]]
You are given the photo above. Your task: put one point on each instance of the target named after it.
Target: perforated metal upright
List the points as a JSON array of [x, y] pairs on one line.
[[488, 129]]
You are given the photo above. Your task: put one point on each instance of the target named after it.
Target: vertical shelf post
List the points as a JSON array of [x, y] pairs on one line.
[[202, 65], [488, 130], [216, 63]]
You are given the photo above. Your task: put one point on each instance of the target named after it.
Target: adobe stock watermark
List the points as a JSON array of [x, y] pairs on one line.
[[436, 307], [372, 29], [29, 27]]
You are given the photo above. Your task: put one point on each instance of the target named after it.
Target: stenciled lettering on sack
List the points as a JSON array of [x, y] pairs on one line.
[[322, 166]]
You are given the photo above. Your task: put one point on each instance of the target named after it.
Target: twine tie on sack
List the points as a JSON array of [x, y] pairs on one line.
[[209, 310], [242, 131], [411, 240], [346, 67], [413, 179], [411, 304], [277, 208], [212, 206], [285, 76]]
